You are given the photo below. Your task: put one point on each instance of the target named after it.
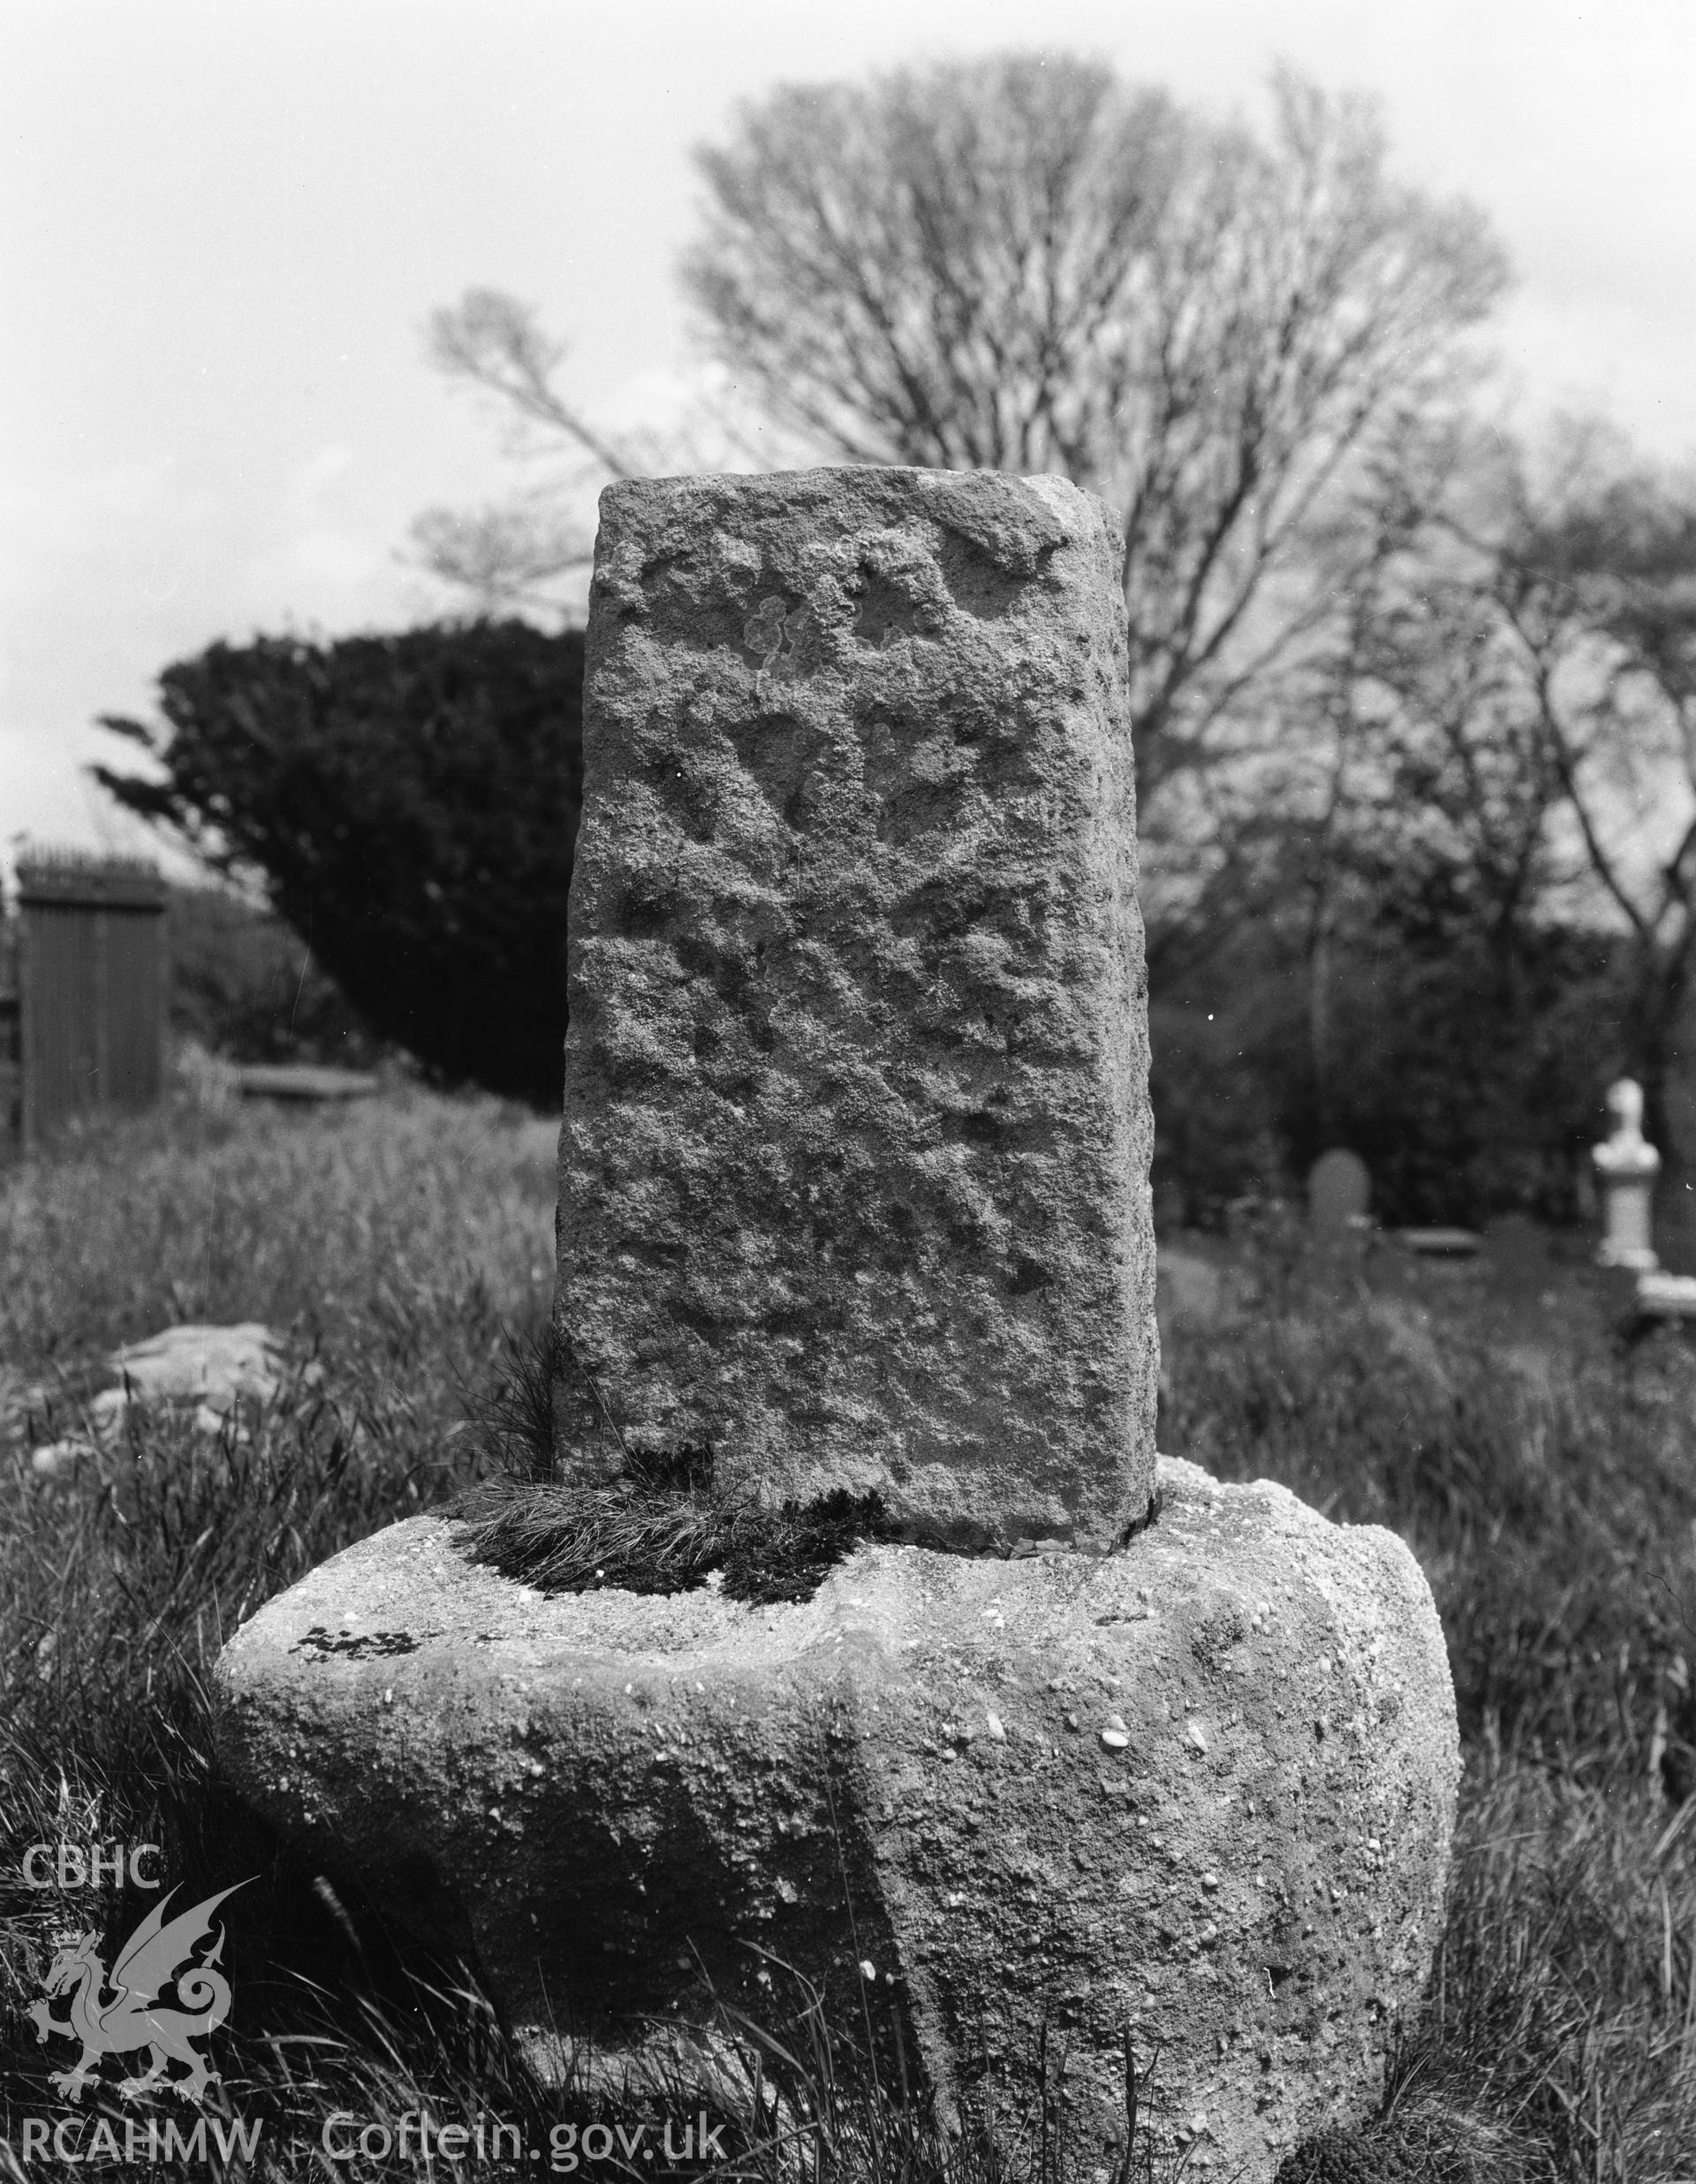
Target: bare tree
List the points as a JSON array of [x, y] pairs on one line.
[[1454, 770], [1508, 701], [1019, 264], [525, 552], [506, 557], [494, 342], [933, 270], [1592, 575], [514, 554]]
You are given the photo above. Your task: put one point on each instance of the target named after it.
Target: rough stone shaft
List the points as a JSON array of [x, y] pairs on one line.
[[854, 1170]]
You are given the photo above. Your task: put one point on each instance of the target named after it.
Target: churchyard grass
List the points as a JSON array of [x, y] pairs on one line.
[[397, 1248], [1545, 1474], [1545, 1479]]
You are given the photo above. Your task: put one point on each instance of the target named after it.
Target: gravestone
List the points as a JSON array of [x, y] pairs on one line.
[[1339, 1192], [1626, 1165], [854, 1169], [1192, 1291]]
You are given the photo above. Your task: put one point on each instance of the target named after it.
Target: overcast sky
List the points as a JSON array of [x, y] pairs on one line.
[[223, 227]]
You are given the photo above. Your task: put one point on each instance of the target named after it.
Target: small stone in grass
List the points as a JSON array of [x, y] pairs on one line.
[[58, 1459]]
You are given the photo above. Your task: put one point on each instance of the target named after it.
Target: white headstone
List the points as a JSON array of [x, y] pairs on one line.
[[1626, 1167]]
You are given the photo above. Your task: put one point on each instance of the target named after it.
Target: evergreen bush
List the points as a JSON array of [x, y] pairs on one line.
[[409, 803]]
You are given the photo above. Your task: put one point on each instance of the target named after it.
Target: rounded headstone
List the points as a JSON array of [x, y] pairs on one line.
[[1339, 1190]]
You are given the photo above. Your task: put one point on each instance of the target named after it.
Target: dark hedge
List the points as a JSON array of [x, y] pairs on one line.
[[410, 803]]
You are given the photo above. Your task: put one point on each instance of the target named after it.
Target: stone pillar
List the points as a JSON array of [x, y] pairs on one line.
[[1626, 1167], [853, 1181]]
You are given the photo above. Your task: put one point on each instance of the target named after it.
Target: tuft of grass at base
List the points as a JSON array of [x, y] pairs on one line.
[[647, 1537], [662, 1526]]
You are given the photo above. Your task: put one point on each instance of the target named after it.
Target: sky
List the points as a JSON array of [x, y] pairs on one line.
[[224, 227]]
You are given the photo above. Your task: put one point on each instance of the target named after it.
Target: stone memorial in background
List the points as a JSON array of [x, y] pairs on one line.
[[1339, 1192], [853, 1191], [854, 1171], [1626, 1165]]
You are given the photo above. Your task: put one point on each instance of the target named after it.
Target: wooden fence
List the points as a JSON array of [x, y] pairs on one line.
[[82, 1005]]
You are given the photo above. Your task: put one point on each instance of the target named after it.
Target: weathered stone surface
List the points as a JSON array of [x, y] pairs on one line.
[[853, 1175], [215, 1368], [1203, 1787]]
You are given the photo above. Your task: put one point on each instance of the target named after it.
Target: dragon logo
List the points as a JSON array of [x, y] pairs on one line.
[[157, 1955]]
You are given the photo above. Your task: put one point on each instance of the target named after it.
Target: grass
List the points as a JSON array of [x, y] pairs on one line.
[[1546, 1477], [646, 1533], [1550, 1491], [663, 1525]]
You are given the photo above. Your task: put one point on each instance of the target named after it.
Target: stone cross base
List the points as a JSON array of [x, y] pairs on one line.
[[1202, 1791]]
